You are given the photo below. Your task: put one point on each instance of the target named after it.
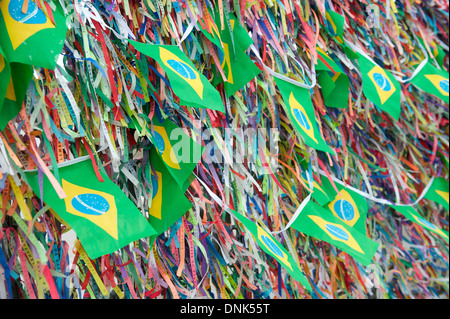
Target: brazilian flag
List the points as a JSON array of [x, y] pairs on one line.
[[168, 200], [237, 66], [436, 51], [348, 206], [415, 217], [178, 151], [334, 23], [192, 87], [318, 193], [6, 84], [380, 86], [334, 82], [31, 34], [272, 247], [14, 81], [439, 192], [433, 81], [101, 215], [319, 223], [302, 115], [444, 159]]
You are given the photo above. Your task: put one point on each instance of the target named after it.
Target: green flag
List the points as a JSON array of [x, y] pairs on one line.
[[444, 159], [35, 37], [380, 86], [436, 51], [433, 81], [334, 23], [317, 222], [178, 151], [192, 87], [237, 66], [14, 81], [438, 192], [214, 37], [352, 55], [334, 82], [168, 200], [103, 218], [415, 217], [241, 37], [348, 206], [319, 194], [5, 78], [272, 247], [302, 115]]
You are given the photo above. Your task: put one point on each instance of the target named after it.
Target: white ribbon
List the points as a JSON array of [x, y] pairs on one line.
[[285, 78], [295, 216], [413, 75], [380, 200]]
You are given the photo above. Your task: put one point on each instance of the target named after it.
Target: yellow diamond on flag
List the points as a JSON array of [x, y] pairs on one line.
[[301, 117], [95, 206], [182, 69], [440, 82], [385, 88], [21, 26], [265, 239], [337, 232], [344, 208]]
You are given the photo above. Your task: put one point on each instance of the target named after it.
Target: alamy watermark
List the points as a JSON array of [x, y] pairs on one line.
[[227, 146], [373, 19], [373, 278], [374, 14]]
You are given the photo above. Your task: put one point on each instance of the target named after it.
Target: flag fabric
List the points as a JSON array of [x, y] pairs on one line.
[[192, 87], [433, 81], [380, 86], [214, 36], [444, 159], [302, 114], [35, 37], [168, 200], [334, 83], [240, 35], [439, 192], [5, 79], [415, 217], [14, 81], [350, 54], [239, 69], [272, 247], [319, 223], [436, 51], [348, 206], [334, 23], [178, 151], [319, 194], [101, 215]]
